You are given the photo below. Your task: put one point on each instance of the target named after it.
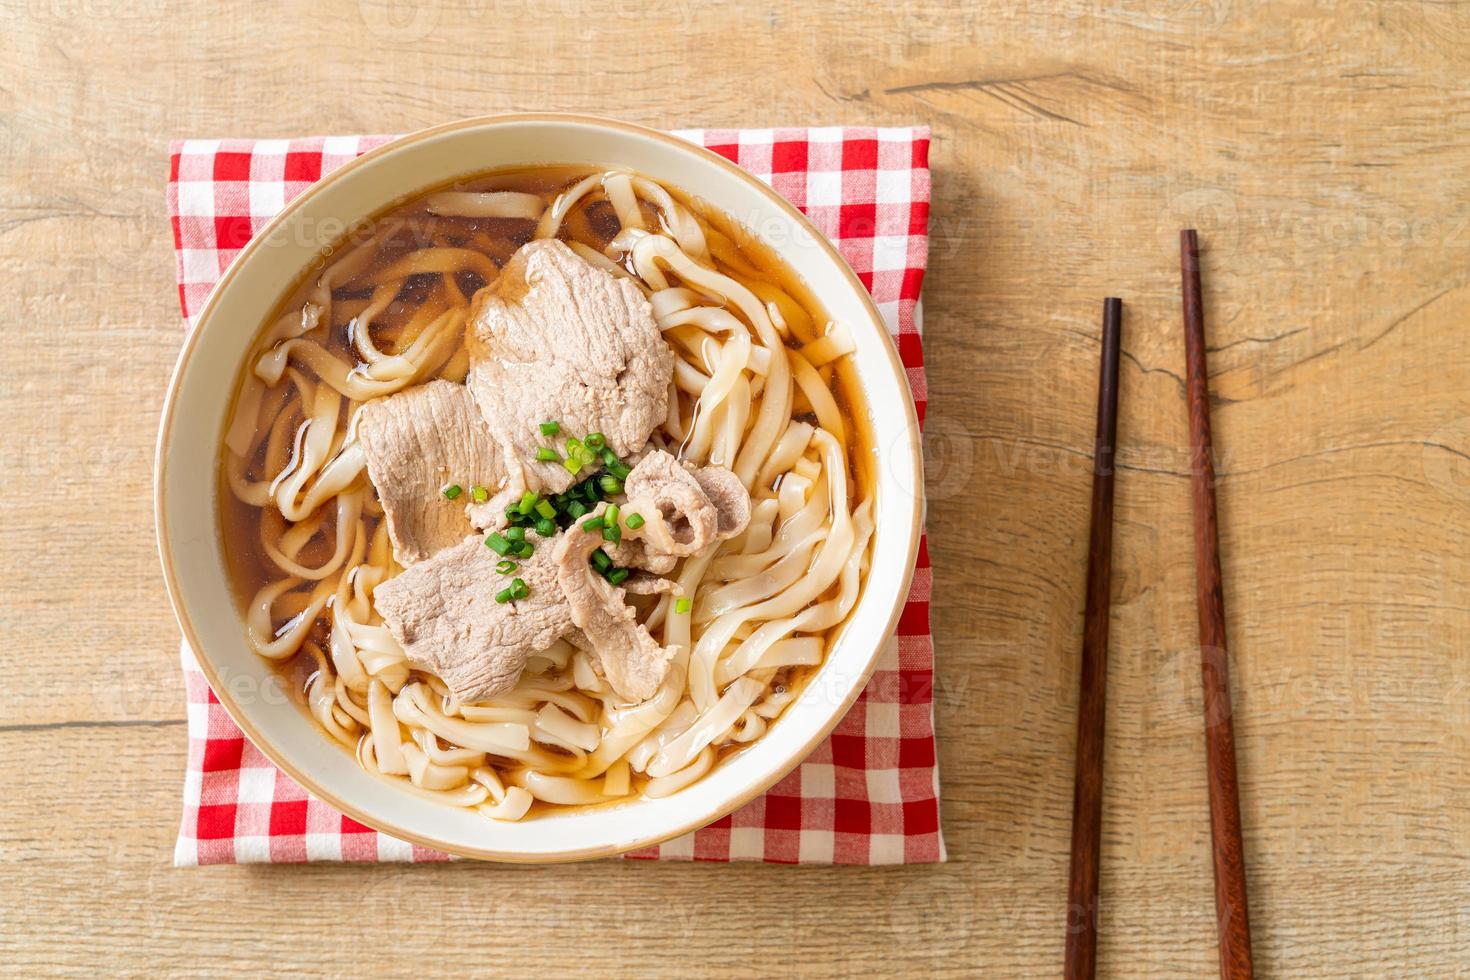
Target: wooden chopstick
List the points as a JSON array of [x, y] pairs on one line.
[[1231, 913], [1082, 911]]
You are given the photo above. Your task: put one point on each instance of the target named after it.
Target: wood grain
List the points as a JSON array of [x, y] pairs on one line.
[[1227, 847], [1321, 149]]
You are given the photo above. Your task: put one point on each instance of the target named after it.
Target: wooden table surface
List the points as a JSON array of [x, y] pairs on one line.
[[1324, 153]]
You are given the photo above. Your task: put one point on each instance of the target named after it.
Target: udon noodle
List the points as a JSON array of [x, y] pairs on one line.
[[760, 385]]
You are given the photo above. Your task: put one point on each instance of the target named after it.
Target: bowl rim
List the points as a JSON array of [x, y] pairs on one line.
[[276, 755]]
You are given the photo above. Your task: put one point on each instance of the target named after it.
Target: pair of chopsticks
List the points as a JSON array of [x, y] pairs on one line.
[[1232, 918]]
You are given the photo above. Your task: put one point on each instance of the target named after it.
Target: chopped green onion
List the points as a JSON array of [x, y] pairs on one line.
[[545, 509], [612, 533], [503, 596], [506, 567], [608, 456], [498, 544], [596, 440], [682, 606], [592, 524], [550, 428], [617, 575], [480, 494], [572, 465], [610, 484], [619, 469], [525, 549], [634, 521], [575, 508], [519, 589], [601, 560], [528, 500], [611, 517], [515, 534], [547, 455], [452, 491], [546, 527]]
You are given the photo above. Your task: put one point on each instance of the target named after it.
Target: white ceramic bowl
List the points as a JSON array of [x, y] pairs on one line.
[[194, 419]]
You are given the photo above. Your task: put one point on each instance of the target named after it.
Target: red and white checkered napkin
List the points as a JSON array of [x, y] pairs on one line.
[[869, 794]]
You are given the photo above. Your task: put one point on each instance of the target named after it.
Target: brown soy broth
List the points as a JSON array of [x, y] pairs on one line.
[[408, 227]]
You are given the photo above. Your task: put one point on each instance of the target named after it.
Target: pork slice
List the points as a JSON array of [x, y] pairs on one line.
[[633, 662], [686, 508], [647, 583], [416, 442], [728, 495], [444, 614], [635, 553], [555, 338], [490, 516]]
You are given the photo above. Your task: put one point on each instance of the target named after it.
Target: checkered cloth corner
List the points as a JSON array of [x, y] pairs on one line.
[[869, 794]]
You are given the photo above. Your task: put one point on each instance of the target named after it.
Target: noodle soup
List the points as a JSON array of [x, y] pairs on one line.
[[651, 658]]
